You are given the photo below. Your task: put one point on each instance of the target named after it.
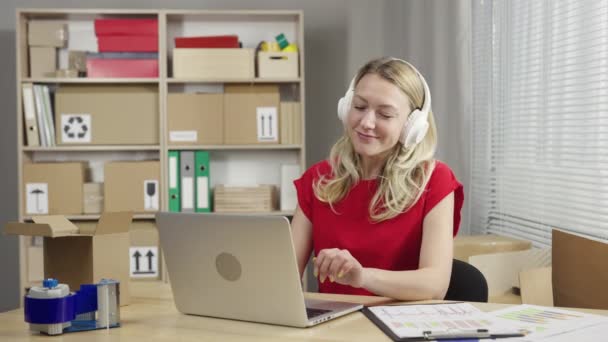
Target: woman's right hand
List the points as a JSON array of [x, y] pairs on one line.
[[340, 266]]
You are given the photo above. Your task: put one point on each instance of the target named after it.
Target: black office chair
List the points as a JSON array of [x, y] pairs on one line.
[[467, 283]]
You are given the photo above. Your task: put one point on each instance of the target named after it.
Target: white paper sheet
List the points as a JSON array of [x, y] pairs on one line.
[[414, 320]]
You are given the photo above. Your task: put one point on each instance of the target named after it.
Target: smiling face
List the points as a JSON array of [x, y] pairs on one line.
[[377, 116]]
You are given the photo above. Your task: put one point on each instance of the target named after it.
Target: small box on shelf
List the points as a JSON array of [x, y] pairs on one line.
[[132, 186], [222, 64], [195, 119], [107, 115], [53, 188], [93, 198], [251, 114], [277, 64], [262, 198], [47, 33]]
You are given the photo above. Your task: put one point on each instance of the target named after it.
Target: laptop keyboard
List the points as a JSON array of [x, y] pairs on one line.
[[311, 313]]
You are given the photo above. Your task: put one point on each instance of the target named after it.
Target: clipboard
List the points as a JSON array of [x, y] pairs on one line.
[[430, 335]]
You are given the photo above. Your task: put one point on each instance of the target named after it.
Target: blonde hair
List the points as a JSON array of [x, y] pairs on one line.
[[406, 170]]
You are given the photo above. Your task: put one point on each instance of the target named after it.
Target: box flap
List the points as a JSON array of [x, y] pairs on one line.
[[29, 229], [114, 222], [51, 226], [579, 271], [536, 288]]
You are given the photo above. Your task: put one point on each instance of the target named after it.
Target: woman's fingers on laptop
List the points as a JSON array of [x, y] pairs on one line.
[[323, 261], [337, 265]]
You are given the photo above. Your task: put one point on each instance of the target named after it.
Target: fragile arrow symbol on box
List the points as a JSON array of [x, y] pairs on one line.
[[136, 256]]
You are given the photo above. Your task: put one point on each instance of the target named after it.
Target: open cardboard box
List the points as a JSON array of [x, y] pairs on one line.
[[570, 274], [77, 256]]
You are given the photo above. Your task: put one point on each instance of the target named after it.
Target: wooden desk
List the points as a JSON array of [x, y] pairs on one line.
[[153, 317]]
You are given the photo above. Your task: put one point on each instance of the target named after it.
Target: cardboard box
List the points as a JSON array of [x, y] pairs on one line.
[[75, 256], [221, 64], [277, 64], [262, 198], [77, 60], [251, 114], [47, 33], [53, 188], [144, 237], [579, 271], [144, 233], [468, 245], [43, 61], [93, 198], [107, 115], [195, 119], [132, 186], [502, 270]]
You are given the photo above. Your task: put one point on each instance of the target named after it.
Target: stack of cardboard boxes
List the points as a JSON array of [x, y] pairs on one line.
[[127, 48], [44, 37]]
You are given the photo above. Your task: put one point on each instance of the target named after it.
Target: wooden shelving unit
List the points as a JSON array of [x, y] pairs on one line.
[[251, 26]]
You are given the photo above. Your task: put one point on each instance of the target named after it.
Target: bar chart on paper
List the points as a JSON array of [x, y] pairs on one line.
[[540, 315], [541, 322]]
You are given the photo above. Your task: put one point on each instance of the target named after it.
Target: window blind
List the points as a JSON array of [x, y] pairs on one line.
[[540, 118]]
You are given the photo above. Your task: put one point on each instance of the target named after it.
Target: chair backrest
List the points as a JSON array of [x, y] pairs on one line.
[[467, 283]]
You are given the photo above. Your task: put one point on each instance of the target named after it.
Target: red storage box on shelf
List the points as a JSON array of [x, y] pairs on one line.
[[126, 27], [207, 42], [122, 67], [127, 43]]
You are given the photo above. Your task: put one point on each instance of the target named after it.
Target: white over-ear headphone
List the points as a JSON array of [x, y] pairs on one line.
[[417, 124]]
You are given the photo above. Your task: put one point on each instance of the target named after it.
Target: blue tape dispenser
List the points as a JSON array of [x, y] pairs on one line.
[[52, 309]]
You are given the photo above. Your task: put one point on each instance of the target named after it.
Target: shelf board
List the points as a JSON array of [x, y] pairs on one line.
[[234, 147], [273, 213], [234, 80], [95, 217], [92, 148], [87, 80]]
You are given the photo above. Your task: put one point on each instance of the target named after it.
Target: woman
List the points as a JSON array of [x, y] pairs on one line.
[[381, 213]]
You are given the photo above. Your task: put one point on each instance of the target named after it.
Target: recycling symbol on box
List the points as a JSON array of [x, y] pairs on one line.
[[76, 128]]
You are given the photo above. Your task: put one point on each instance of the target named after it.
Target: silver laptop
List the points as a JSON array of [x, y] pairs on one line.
[[239, 267]]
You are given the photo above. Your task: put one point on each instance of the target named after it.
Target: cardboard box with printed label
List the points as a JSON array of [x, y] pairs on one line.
[[217, 63], [251, 114], [53, 188], [107, 115], [144, 252], [132, 186], [195, 119], [78, 256]]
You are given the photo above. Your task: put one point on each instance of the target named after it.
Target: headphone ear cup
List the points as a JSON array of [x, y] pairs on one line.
[[415, 128], [344, 105]]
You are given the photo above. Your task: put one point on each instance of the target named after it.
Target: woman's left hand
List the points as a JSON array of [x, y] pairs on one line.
[[340, 266]]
